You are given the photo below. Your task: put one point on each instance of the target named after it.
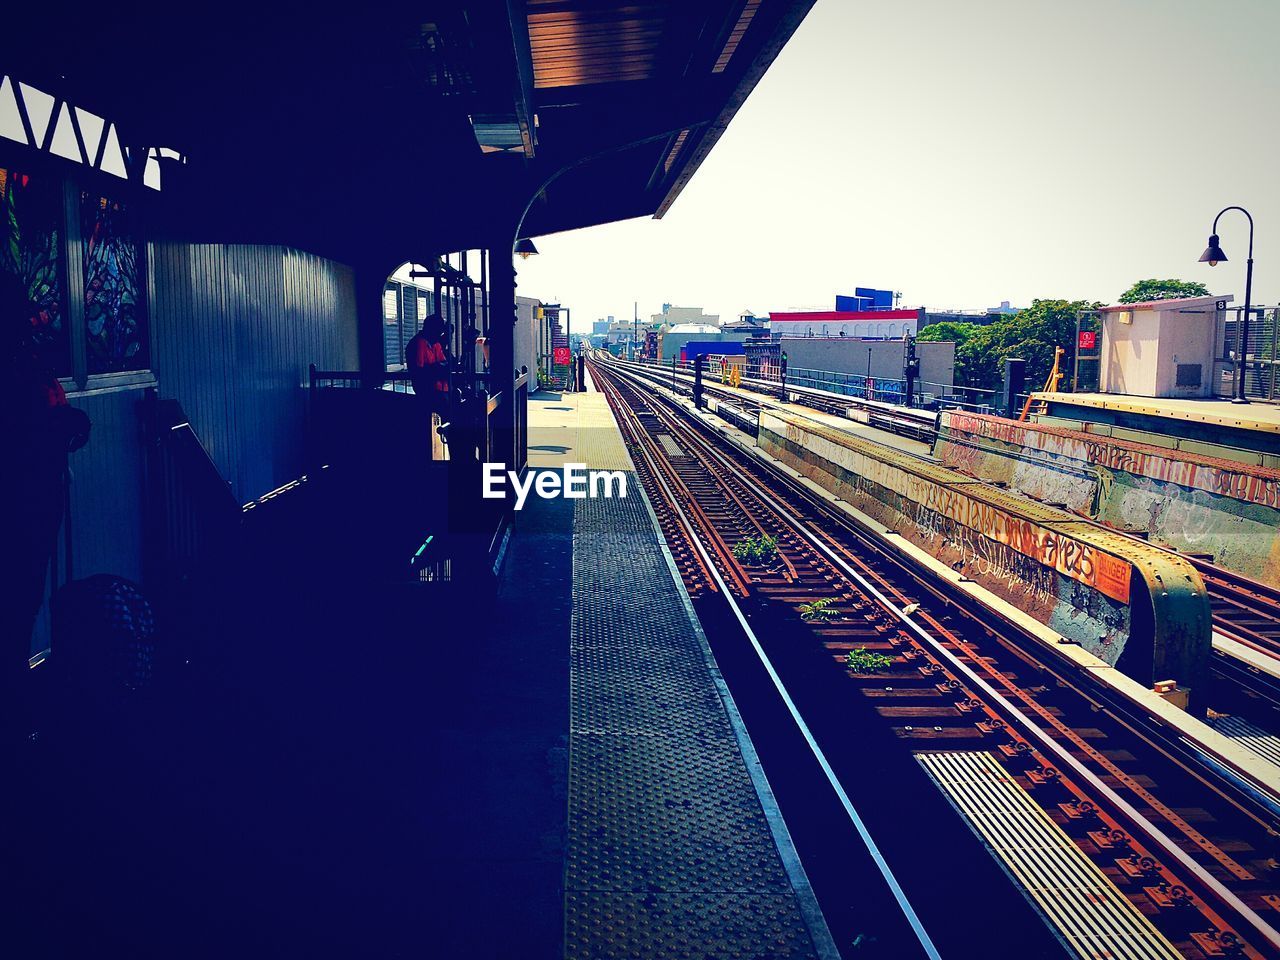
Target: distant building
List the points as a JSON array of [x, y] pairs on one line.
[[881, 359], [1003, 308], [673, 340], [622, 329], [876, 324], [672, 315], [749, 323], [600, 326]]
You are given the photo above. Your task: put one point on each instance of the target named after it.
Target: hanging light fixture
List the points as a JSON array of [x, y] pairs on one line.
[[524, 248], [1213, 254]]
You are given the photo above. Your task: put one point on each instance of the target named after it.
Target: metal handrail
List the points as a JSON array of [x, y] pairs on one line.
[[175, 434]]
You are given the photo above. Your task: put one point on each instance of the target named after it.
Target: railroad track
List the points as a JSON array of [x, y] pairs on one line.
[[1244, 610], [1246, 667], [1188, 853], [917, 425]]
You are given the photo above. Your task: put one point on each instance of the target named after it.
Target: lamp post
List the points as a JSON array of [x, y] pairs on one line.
[[1213, 255]]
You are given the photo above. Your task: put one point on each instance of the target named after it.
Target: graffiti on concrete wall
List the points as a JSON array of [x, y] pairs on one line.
[[1220, 508], [982, 558], [1078, 589], [1067, 555]]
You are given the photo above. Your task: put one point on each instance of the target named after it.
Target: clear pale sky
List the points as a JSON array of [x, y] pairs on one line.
[[964, 154]]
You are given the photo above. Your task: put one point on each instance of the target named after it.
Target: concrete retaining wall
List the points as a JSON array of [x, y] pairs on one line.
[[1221, 508], [1135, 607]]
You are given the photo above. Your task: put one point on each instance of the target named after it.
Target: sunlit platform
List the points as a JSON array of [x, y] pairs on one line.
[[674, 846], [1252, 426]]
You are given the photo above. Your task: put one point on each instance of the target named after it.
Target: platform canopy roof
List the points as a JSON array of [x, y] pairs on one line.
[[397, 130]]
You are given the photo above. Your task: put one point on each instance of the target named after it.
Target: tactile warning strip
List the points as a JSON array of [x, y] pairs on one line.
[[1090, 915], [669, 853]]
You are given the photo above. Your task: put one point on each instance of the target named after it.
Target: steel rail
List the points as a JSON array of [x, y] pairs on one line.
[[915, 425], [1159, 838], [1236, 591], [882, 865]]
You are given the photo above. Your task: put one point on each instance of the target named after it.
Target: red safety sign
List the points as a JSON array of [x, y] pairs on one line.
[[1088, 340], [562, 356]]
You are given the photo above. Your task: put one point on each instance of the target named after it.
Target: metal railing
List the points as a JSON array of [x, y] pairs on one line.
[[1262, 358], [879, 389], [192, 518], [394, 381]]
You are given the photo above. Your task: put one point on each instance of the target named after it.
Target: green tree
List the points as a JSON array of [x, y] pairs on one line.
[[947, 331], [1145, 290], [951, 331], [1032, 334]]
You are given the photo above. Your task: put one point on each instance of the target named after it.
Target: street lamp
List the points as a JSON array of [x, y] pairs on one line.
[[524, 248], [1213, 256]]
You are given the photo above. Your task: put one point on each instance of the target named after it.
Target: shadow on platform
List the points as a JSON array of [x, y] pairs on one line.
[[342, 764]]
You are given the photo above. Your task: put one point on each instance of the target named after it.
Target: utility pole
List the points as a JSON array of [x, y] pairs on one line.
[[635, 325]]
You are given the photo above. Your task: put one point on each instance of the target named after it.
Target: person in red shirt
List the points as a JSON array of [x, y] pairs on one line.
[[37, 430], [427, 362]]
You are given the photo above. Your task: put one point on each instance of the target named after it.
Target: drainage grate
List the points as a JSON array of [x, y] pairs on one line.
[[1092, 917]]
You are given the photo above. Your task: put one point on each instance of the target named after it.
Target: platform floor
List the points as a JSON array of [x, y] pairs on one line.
[[674, 845]]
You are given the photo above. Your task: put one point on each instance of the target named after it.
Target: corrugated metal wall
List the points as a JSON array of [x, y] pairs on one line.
[[233, 330]]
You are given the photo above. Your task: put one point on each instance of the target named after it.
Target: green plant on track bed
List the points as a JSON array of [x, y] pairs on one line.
[[818, 611], [862, 660], [761, 549]]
